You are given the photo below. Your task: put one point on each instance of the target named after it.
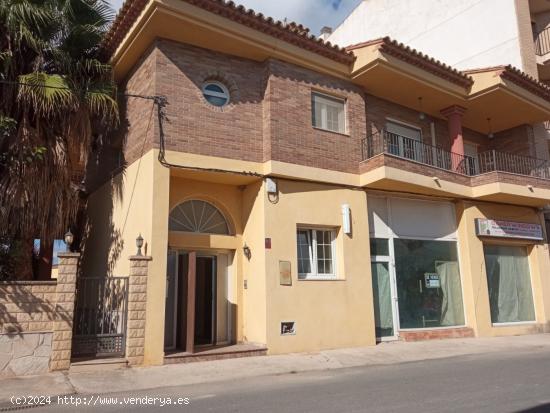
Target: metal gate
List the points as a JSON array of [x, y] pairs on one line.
[[100, 316]]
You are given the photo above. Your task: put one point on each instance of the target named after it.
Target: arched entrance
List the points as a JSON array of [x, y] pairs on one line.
[[198, 308], [199, 217]]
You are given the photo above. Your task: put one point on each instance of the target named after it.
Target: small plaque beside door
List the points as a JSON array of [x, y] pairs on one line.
[[285, 276]]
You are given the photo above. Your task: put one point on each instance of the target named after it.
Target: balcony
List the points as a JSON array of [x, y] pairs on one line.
[[392, 161], [485, 162], [542, 42]]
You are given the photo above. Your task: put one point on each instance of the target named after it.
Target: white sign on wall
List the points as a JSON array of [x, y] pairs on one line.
[[508, 229]]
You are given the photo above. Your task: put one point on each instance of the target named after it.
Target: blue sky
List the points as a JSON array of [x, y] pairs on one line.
[[311, 13]]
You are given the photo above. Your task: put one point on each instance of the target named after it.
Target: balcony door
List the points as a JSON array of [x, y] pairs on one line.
[[471, 158], [404, 140]]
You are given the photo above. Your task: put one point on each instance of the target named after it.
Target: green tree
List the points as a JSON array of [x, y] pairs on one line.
[[56, 97]]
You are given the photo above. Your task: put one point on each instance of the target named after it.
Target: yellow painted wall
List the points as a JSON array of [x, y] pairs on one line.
[[474, 276], [328, 314], [118, 212], [134, 202], [255, 295], [156, 283]]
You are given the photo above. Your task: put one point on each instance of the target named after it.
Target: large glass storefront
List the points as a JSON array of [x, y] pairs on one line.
[[509, 281], [415, 269], [428, 284]]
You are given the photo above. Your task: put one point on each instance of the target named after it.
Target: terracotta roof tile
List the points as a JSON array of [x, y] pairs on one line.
[[520, 78], [290, 32], [417, 58]]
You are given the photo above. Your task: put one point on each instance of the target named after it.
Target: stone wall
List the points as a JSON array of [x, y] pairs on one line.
[[24, 353], [36, 319], [27, 311], [137, 302], [64, 311]]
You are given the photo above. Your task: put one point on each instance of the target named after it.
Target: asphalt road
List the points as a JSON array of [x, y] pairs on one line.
[[518, 382]]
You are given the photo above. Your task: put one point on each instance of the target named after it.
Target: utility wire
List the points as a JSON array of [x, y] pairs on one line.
[[160, 102]]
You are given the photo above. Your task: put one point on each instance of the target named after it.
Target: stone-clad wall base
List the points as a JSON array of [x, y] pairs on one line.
[[137, 302], [24, 354], [64, 311], [441, 334]]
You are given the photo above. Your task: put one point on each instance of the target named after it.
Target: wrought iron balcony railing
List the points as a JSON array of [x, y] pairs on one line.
[[417, 151], [516, 164], [542, 42]]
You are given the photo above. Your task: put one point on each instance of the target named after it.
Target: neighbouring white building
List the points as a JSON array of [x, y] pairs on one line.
[[466, 34]]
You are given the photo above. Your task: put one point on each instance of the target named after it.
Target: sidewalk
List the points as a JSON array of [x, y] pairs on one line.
[[134, 379]]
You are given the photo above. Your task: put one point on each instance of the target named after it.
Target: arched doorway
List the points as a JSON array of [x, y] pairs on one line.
[[198, 216], [197, 306]]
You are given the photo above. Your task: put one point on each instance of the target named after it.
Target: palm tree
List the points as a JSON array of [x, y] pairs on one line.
[[56, 98]]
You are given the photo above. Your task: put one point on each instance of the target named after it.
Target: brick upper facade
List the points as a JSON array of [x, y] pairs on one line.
[[269, 117]]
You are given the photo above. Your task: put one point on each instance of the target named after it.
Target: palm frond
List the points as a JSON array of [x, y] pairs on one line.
[[101, 103], [46, 94], [66, 96]]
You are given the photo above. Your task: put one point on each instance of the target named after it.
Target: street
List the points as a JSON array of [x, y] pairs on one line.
[[504, 382]]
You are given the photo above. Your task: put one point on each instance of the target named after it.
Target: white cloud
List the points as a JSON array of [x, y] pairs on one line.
[[311, 13]]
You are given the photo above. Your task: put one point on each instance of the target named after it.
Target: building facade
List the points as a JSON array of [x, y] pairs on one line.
[[297, 196], [492, 33]]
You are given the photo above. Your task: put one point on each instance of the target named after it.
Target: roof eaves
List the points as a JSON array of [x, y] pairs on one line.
[[292, 33], [417, 58], [518, 77]]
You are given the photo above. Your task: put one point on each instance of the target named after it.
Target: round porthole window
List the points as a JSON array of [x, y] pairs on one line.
[[216, 93]]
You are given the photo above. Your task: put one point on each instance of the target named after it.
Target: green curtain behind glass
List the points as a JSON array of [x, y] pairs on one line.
[[452, 312], [510, 294], [382, 299]]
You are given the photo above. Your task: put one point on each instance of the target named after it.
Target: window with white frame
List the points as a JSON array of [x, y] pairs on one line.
[[328, 112], [316, 253]]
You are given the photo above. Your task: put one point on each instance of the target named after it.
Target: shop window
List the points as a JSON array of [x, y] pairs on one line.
[[316, 253], [328, 112], [383, 307], [510, 293], [428, 284], [379, 247]]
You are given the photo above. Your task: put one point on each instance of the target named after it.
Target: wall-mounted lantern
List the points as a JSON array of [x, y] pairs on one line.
[[139, 244], [490, 135], [421, 114], [247, 252], [68, 238], [346, 219]]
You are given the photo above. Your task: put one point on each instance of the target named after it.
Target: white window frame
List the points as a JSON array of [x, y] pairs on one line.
[[407, 125], [314, 275], [323, 124], [225, 94]]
